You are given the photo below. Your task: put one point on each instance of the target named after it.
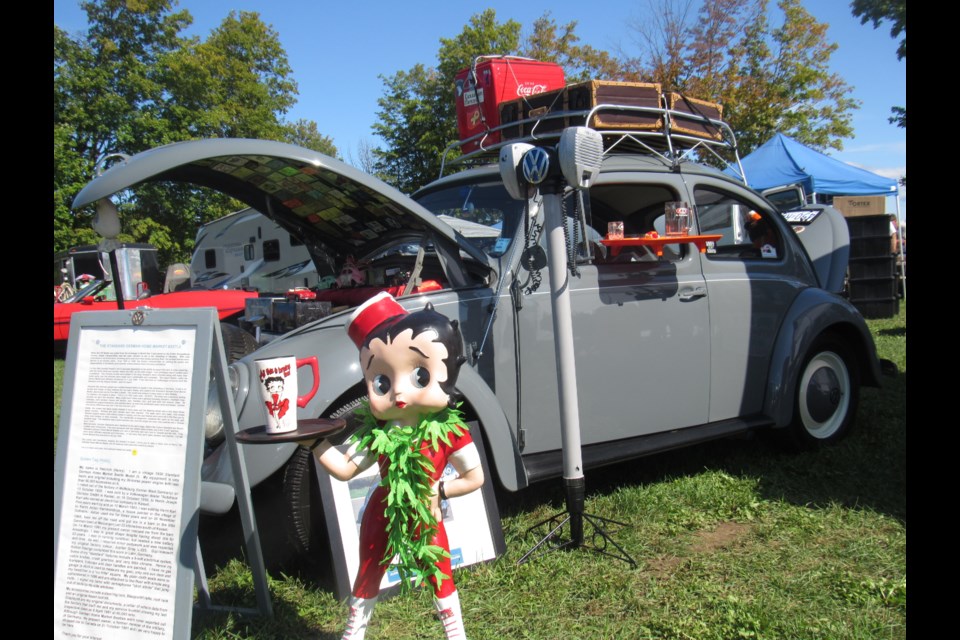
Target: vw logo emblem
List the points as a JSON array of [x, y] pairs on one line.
[[536, 162]]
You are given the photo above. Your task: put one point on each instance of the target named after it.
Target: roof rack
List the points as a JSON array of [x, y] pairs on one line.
[[664, 143]]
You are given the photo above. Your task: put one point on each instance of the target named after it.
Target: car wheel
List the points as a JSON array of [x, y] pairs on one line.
[[826, 396], [301, 494], [236, 342]]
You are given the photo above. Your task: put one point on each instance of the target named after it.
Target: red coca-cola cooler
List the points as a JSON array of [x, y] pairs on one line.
[[496, 79]]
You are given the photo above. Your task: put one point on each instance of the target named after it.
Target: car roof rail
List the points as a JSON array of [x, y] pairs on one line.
[[665, 142]]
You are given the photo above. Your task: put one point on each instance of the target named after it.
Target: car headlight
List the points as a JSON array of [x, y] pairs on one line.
[[213, 419]]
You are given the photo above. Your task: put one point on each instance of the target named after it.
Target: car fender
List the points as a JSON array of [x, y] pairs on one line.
[[501, 445], [812, 313]]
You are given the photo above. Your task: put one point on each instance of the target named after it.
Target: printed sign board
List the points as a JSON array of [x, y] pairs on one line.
[[127, 473]]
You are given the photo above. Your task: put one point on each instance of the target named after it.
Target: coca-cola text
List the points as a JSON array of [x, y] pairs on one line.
[[530, 89]]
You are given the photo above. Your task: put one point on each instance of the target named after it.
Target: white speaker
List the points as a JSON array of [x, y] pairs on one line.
[[581, 153]]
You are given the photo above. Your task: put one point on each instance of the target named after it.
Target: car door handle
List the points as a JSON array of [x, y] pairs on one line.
[[691, 294]]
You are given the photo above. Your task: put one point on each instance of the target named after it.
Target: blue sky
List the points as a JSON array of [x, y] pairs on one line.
[[338, 50]]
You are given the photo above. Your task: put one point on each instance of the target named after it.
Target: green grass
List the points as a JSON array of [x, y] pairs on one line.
[[733, 539]]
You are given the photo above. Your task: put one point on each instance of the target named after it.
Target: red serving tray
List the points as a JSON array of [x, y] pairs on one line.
[[657, 243]]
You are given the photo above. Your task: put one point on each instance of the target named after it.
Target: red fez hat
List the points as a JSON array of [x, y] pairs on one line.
[[371, 314]]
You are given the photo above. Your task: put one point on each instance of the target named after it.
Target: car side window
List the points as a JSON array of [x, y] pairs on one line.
[[585, 236], [745, 231], [641, 209]]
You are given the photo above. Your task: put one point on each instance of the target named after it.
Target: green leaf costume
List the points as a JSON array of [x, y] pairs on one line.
[[410, 523]]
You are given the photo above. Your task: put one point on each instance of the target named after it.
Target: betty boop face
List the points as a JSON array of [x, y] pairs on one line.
[[404, 375], [274, 385]]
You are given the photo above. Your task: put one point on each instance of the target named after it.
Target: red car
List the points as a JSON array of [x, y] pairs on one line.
[[141, 283], [301, 293], [230, 303]]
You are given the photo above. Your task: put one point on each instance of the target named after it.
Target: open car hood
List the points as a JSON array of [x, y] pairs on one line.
[[331, 206]]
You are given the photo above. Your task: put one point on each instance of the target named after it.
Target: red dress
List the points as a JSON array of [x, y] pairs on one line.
[[461, 452]]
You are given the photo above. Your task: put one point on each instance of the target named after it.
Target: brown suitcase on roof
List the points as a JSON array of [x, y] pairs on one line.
[[627, 94], [583, 97], [691, 126]]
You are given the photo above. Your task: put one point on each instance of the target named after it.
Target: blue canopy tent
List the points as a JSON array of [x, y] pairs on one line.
[[782, 161]]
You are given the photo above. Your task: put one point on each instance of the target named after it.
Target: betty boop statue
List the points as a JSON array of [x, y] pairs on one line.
[[410, 363]]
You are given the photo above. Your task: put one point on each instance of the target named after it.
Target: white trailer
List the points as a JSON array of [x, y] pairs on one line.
[[246, 250]]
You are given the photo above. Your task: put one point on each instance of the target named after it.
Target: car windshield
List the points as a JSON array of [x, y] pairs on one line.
[[90, 289], [484, 213]]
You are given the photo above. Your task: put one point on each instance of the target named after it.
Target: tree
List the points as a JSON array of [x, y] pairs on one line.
[[661, 36], [815, 103], [305, 134], [899, 117], [550, 42], [365, 159], [107, 86], [417, 115], [415, 126], [132, 82], [70, 172], [767, 79], [877, 11], [236, 83], [711, 66], [104, 88]]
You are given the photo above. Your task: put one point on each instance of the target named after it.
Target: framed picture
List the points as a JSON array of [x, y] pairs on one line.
[[472, 523]]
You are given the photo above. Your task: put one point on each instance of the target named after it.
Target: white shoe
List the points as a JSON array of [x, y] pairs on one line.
[[360, 611], [449, 610]]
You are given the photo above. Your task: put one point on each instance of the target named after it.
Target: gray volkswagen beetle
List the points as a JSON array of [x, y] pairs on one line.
[[674, 345]]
